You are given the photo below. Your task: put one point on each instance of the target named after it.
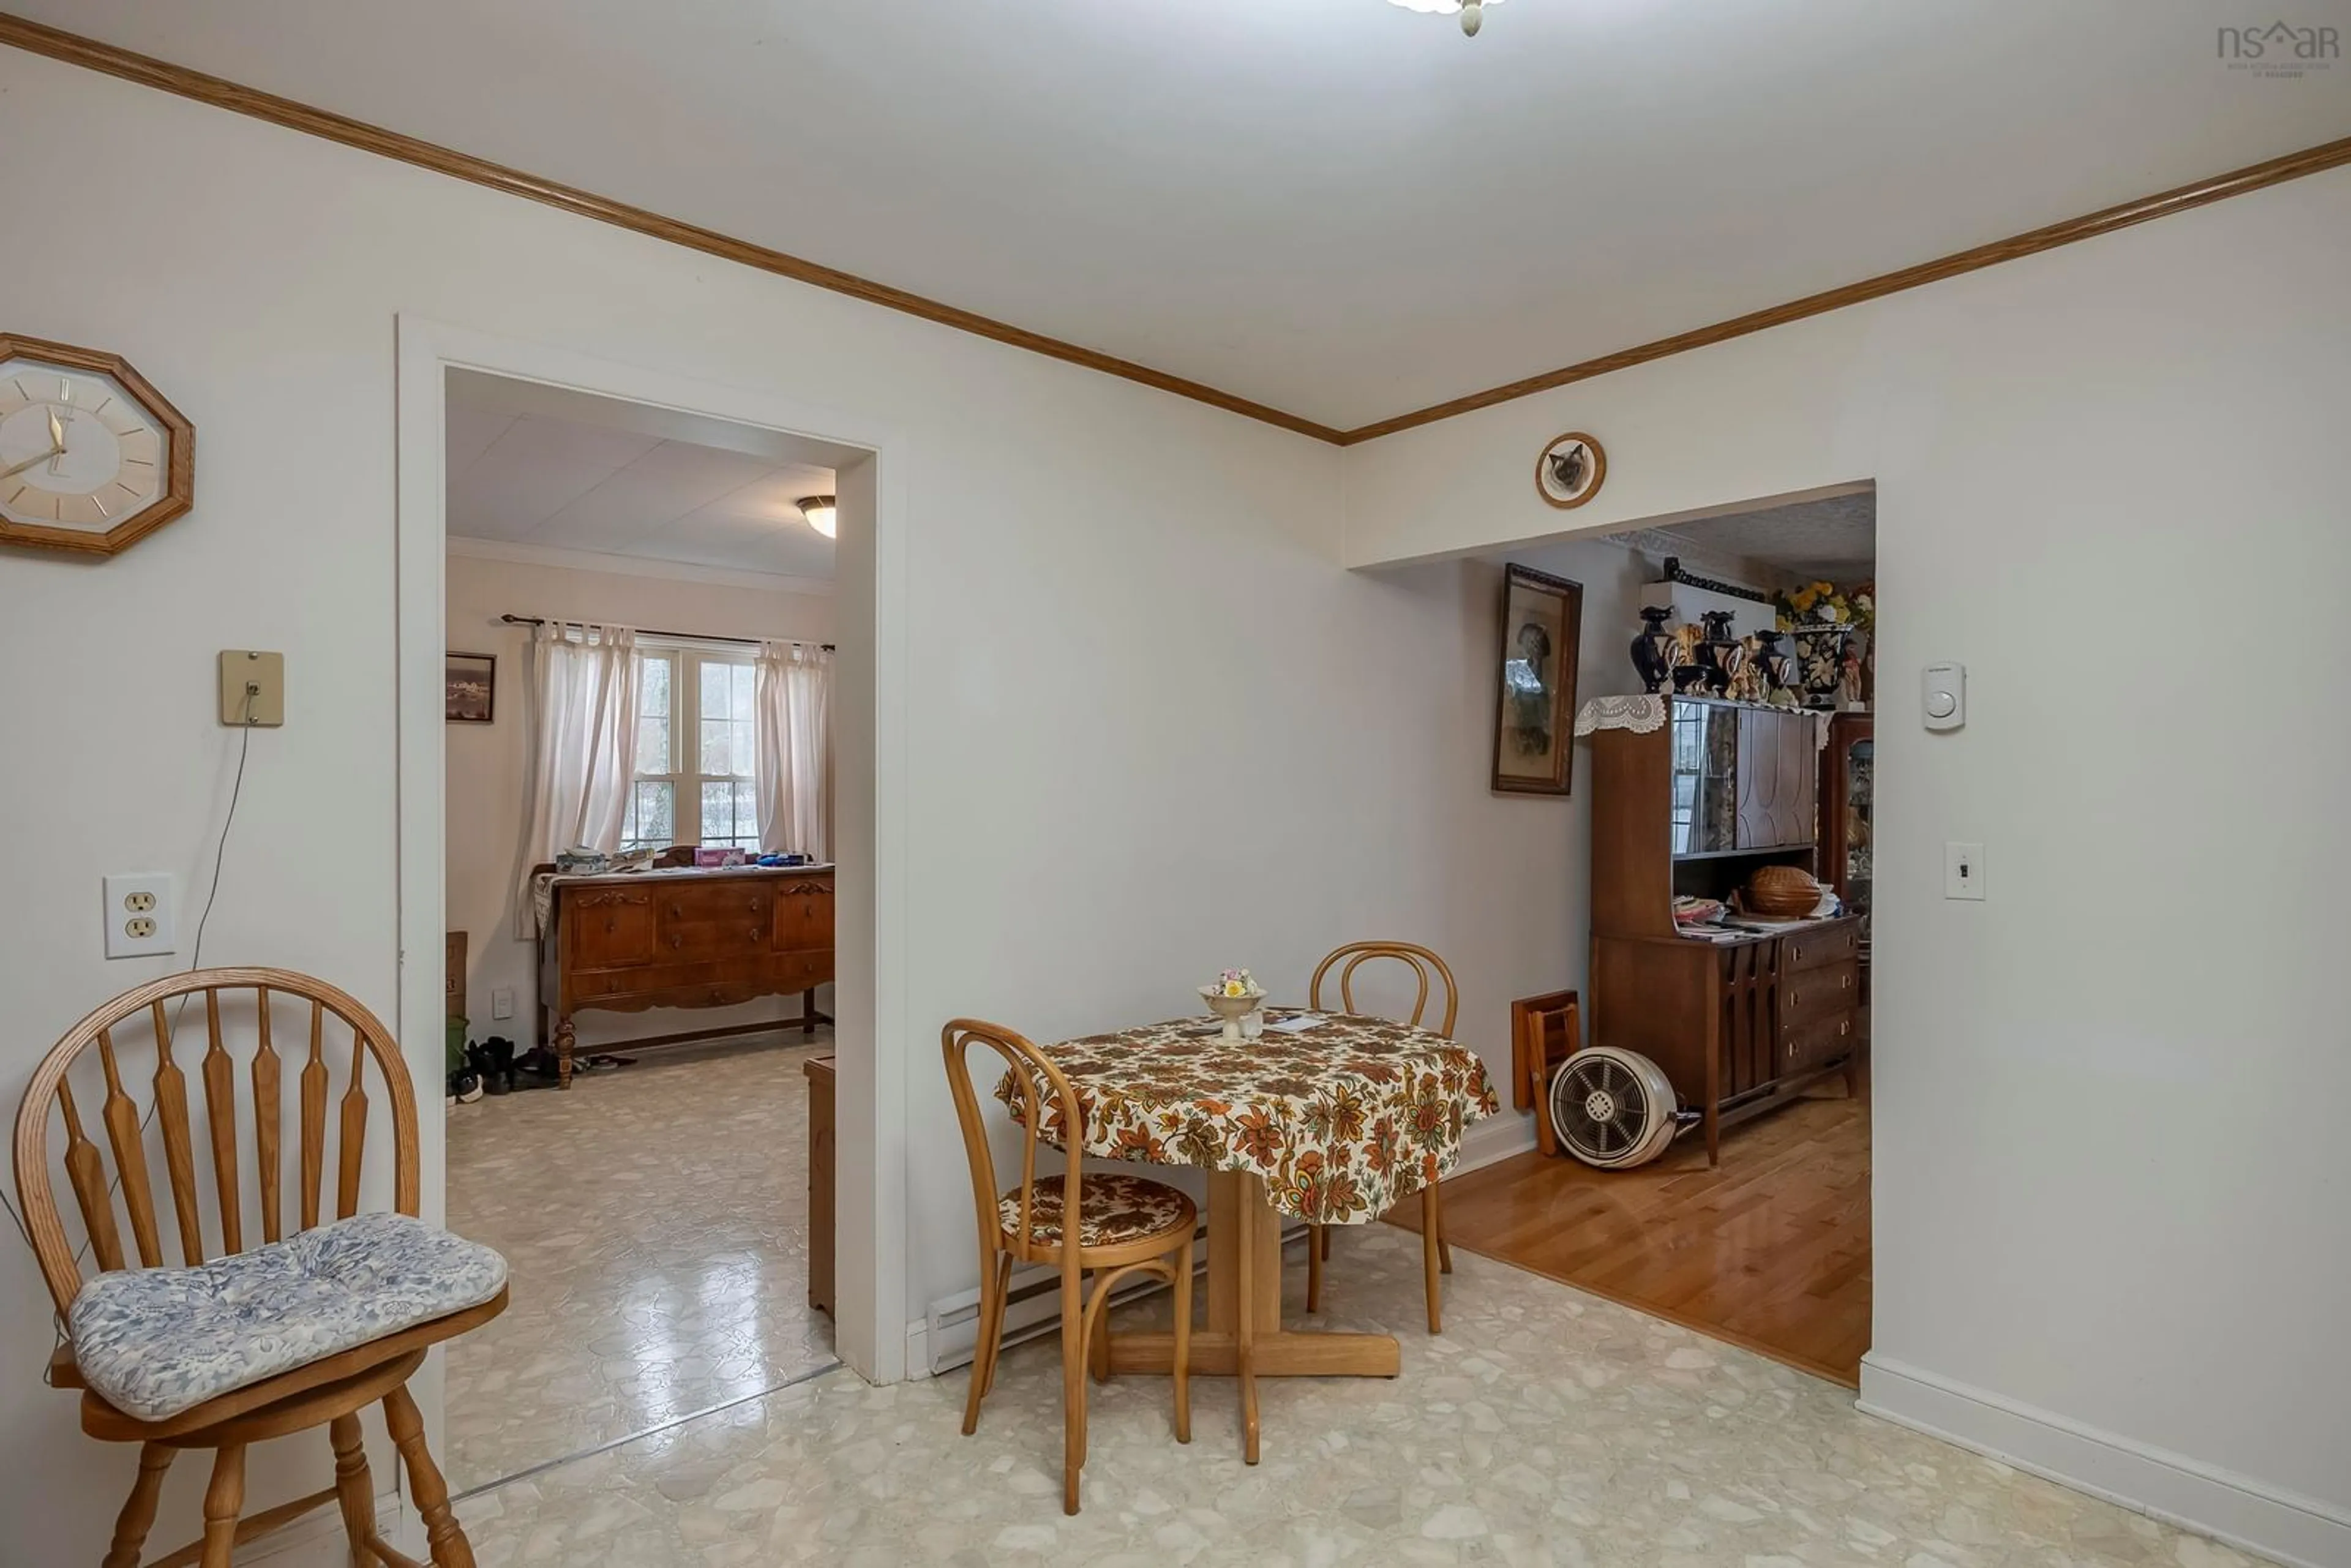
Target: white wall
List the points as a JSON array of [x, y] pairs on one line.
[[487, 765], [1153, 727], [2109, 1198]]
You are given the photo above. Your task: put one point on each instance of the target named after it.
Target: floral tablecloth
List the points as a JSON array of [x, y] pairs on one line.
[[1341, 1120]]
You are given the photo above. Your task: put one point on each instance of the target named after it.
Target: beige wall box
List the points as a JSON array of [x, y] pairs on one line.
[[252, 688]]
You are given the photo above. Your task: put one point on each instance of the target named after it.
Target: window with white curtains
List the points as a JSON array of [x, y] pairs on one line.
[[697, 777]]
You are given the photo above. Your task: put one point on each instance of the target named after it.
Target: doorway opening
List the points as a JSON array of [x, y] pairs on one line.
[[747, 1327], [1730, 899], [639, 872]]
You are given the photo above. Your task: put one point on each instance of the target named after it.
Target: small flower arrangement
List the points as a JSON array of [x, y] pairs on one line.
[[1824, 603], [1236, 983]]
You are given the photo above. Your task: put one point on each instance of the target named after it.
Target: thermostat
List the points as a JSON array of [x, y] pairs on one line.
[[1944, 699]]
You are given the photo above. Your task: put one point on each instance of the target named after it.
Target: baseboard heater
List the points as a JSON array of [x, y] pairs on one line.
[[1034, 1306]]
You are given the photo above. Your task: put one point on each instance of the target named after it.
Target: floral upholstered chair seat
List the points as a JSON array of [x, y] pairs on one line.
[[155, 1342], [1117, 1210]]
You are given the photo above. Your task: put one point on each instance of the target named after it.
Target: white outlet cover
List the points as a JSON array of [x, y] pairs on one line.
[[502, 1002], [126, 896]]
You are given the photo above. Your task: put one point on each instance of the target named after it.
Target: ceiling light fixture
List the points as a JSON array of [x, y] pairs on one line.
[[818, 510], [1472, 12]]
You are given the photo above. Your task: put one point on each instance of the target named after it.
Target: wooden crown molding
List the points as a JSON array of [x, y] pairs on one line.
[[36, 38], [2202, 193], [56, 43]]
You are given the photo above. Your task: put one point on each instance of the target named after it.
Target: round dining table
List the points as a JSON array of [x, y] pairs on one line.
[[1325, 1117]]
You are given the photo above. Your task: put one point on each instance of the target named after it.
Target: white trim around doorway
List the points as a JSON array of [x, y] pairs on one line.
[[870, 1262]]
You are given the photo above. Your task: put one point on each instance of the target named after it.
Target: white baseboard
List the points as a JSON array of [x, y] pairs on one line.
[[316, 1539], [2302, 1532], [1495, 1138]]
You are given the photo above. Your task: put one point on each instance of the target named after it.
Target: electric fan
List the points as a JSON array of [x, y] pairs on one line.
[[1613, 1108]]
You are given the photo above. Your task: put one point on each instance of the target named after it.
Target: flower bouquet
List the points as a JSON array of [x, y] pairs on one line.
[[1234, 996]]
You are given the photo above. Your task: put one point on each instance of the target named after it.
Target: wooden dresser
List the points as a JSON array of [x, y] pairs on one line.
[[1694, 806], [681, 939]]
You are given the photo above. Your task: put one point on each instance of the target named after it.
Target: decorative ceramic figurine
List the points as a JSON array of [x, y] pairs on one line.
[[1653, 650], [1747, 682], [1778, 671]]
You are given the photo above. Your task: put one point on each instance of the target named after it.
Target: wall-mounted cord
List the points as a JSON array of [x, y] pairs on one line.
[[195, 961]]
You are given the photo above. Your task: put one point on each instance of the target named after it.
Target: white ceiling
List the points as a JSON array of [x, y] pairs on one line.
[[1336, 206], [1834, 537], [535, 466]]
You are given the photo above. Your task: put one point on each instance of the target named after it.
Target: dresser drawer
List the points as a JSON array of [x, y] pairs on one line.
[[1812, 1045], [610, 930], [1829, 945], [803, 914], [715, 904], [1810, 995]]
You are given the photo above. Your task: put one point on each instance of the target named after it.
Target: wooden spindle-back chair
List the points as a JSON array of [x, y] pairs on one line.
[[1142, 1226], [1427, 967], [180, 1183]]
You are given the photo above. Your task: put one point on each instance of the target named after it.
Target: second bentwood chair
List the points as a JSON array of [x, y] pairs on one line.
[[1126, 1224], [1436, 1256]]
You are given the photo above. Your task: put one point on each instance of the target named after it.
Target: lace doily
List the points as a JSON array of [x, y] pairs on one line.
[[1647, 715], [1641, 714]]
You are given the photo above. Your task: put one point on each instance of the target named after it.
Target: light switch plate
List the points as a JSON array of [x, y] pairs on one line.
[[1963, 871], [247, 675], [502, 1002], [140, 914]]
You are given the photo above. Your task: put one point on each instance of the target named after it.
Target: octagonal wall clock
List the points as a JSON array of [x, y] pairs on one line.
[[92, 458]]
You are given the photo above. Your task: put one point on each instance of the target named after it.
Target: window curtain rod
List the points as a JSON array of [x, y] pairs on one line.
[[680, 636]]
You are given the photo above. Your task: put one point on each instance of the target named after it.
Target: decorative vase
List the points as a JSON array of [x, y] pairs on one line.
[[1820, 661], [1779, 672], [1653, 650], [1692, 680], [1720, 653], [1232, 1009]]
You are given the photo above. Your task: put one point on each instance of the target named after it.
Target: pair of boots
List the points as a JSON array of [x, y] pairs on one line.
[[494, 1060]]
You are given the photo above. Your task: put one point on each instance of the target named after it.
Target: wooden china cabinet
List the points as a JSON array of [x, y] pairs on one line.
[[1848, 769], [1693, 804]]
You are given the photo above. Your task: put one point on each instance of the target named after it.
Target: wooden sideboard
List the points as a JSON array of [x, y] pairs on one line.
[[821, 1148], [1693, 808], [681, 939]]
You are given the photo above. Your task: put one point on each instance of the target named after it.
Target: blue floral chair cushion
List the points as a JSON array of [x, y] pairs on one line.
[[155, 1342]]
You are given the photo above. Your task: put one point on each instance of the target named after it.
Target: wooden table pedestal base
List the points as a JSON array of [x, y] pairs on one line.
[[1245, 1272]]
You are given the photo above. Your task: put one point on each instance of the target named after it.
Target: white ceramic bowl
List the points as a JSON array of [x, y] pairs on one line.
[[1232, 1009]]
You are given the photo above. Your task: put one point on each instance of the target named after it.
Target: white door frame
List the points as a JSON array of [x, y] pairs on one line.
[[870, 1005]]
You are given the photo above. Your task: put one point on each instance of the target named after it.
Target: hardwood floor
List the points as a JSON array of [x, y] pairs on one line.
[[1770, 1251]]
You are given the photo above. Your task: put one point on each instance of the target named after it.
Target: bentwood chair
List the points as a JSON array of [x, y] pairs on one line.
[[1126, 1224], [1436, 1256], [320, 1319]]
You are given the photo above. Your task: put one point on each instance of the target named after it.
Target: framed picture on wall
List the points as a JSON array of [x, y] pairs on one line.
[[472, 687], [1534, 708]]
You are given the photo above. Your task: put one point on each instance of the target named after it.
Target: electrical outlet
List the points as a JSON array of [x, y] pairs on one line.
[[139, 909], [502, 1002]]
